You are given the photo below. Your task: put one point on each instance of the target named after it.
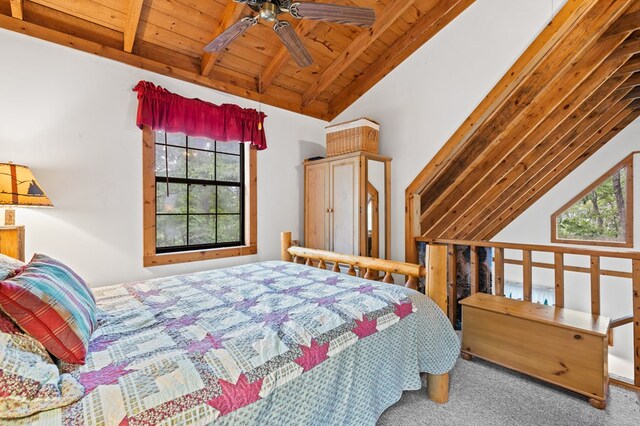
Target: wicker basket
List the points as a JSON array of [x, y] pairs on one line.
[[353, 136]]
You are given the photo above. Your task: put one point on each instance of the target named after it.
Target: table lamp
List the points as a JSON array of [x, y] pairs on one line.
[[18, 188]]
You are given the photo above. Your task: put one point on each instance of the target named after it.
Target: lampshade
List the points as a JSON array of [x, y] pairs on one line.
[[19, 188]]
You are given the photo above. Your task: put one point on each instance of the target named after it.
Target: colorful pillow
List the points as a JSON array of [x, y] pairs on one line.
[[52, 304], [29, 380], [8, 266]]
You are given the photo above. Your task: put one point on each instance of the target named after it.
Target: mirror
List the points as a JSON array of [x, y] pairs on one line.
[[376, 202]]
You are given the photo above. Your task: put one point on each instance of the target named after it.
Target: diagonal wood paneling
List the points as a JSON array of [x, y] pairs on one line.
[[569, 93], [167, 36]]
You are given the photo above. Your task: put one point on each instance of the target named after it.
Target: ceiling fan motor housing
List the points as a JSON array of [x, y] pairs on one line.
[[269, 11]]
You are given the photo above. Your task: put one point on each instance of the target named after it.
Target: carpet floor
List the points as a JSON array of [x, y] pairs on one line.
[[482, 393]]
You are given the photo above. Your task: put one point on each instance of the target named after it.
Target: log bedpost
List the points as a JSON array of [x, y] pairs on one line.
[[438, 388], [436, 289], [436, 285], [285, 243]]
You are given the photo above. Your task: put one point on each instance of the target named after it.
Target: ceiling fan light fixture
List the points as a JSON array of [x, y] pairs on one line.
[[269, 11]]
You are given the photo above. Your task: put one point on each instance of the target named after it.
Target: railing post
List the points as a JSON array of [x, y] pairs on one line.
[[474, 279], [595, 285], [437, 274], [452, 278], [499, 258], [527, 287], [559, 278], [636, 321]]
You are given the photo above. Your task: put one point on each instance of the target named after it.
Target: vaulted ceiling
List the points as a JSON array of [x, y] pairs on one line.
[[572, 90], [168, 36]]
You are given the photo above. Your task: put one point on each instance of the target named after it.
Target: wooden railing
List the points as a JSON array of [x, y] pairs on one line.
[[594, 272]]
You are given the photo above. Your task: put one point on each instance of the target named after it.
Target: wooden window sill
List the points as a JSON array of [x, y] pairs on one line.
[[194, 256]]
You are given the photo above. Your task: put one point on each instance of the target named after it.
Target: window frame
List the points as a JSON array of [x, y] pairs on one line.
[[150, 255], [628, 243]]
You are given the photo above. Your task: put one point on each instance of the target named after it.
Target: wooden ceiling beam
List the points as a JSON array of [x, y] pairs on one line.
[[131, 26], [427, 26], [626, 23], [567, 18], [569, 148], [552, 146], [78, 27], [632, 65], [393, 10], [633, 94], [629, 47], [231, 14], [635, 104], [547, 111], [531, 97], [514, 155], [289, 102], [543, 169], [632, 81], [597, 141], [17, 9], [303, 30]]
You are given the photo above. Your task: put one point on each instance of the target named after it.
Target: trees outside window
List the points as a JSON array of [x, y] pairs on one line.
[[601, 214]]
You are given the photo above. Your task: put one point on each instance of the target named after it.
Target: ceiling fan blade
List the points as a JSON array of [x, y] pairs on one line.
[[349, 15], [293, 43], [230, 34]]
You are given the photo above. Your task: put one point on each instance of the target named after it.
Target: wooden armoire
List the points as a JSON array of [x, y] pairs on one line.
[[346, 204]]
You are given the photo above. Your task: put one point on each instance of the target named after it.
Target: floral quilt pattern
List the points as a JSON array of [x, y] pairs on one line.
[[193, 348]]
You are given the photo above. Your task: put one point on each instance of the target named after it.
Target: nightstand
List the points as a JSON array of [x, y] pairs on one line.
[[12, 241]]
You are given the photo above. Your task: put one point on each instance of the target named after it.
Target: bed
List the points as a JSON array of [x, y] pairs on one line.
[[266, 343]]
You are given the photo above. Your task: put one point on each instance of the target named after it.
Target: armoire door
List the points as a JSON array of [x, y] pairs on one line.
[[344, 206], [316, 212]]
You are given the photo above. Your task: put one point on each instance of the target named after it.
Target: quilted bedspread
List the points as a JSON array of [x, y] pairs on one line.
[[265, 343]]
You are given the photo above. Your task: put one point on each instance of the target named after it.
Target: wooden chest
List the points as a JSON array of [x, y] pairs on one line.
[[564, 347]]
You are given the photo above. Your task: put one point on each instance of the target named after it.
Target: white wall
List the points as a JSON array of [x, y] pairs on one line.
[[70, 116], [422, 102]]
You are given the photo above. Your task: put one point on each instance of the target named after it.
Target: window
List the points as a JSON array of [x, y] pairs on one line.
[[199, 200], [602, 214]]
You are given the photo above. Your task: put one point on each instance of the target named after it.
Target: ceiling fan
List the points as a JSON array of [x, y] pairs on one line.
[[268, 10]]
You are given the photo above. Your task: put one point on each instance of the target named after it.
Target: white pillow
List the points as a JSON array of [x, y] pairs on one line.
[[8, 265]]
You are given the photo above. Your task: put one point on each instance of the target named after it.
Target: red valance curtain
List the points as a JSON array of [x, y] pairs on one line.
[[162, 110]]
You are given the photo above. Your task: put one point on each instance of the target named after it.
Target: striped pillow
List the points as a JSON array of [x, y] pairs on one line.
[[54, 305]]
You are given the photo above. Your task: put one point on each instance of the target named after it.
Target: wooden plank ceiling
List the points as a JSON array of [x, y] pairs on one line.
[[167, 36], [572, 90]]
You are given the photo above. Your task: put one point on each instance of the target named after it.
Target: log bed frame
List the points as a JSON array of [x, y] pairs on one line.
[[436, 283]]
